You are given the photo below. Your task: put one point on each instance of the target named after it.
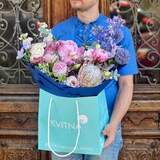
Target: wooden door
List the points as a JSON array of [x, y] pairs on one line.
[[19, 96]]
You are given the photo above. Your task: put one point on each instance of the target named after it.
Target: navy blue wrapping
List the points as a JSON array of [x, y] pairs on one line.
[[50, 85]]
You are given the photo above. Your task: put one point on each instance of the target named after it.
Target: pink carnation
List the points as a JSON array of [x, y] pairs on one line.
[[69, 52], [59, 69]]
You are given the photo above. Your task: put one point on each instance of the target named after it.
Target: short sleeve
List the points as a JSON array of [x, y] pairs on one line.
[[131, 67]]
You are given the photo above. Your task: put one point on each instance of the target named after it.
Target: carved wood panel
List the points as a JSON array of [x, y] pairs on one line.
[[18, 136], [140, 149]]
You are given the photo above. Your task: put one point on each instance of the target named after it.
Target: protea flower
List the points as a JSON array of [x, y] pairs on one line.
[[90, 76]]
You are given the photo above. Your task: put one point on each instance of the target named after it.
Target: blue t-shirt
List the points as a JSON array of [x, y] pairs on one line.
[[81, 33]]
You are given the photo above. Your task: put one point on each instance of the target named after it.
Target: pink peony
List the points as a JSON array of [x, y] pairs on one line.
[[72, 81], [59, 69], [69, 52], [100, 55]]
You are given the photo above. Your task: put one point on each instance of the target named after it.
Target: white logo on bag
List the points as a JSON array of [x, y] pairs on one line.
[[83, 119], [66, 125]]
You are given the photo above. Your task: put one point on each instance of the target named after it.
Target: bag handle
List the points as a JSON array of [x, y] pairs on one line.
[[78, 133]]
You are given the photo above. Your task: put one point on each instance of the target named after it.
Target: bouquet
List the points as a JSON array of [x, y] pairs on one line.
[[69, 65]]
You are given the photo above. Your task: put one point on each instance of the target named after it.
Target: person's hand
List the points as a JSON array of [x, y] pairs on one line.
[[110, 133]]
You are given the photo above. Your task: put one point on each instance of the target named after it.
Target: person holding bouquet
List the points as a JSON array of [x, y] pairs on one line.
[[82, 29], [84, 64]]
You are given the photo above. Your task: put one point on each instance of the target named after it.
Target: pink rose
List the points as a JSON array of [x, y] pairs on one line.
[[59, 69], [72, 81]]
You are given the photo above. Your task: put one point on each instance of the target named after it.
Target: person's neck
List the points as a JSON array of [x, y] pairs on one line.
[[89, 15]]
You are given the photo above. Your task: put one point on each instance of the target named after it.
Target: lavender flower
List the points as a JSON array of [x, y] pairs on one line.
[[27, 43], [121, 56], [111, 33], [20, 53]]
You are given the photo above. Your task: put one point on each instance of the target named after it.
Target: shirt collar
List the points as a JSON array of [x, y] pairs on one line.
[[101, 19]]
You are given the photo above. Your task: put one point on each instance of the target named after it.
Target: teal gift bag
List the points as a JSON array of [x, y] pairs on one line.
[[72, 124]]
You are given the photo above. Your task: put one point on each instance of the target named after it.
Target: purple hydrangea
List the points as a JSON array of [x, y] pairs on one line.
[[121, 56]]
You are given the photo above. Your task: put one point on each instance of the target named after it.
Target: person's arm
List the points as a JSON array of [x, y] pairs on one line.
[[121, 107]]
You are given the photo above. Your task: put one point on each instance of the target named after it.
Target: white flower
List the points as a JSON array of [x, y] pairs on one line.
[[37, 50], [23, 36]]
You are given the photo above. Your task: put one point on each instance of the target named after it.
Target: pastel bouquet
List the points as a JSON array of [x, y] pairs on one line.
[[68, 65]]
